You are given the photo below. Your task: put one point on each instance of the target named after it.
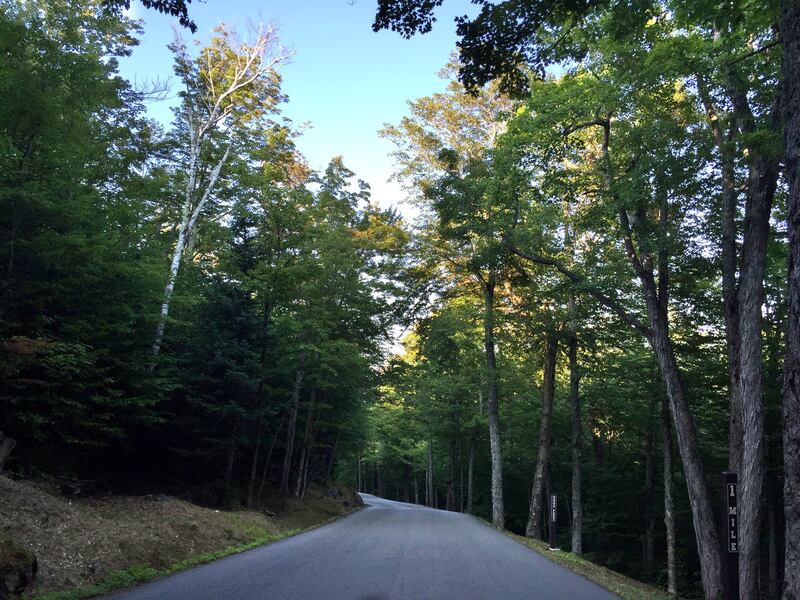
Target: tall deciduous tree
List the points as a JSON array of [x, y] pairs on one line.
[[790, 34], [228, 86]]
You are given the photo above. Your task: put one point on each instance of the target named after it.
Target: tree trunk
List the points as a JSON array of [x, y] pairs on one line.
[[301, 464], [251, 484], [291, 427], [545, 434], [416, 490], [307, 466], [265, 470], [669, 511], [450, 501], [772, 568], [648, 554], [657, 300], [730, 304], [498, 513], [229, 467], [429, 491], [761, 185], [473, 442], [249, 66], [309, 458], [699, 498], [577, 442], [790, 34], [751, 298], [190, 212], [461, 498], [471, 476], [332, 460], [6, 446]]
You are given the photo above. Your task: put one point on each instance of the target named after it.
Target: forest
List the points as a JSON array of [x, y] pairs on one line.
[[598, 290]]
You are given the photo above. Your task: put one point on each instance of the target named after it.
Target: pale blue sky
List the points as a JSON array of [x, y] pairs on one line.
[[346, 80]]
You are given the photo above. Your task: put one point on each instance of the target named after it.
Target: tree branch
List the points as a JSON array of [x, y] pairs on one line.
[[747, 55], [583, 284]]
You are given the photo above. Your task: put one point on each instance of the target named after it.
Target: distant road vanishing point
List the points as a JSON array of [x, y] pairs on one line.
[[388, 551]]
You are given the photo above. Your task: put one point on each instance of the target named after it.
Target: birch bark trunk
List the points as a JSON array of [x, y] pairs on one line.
[[189, 215], [214, 97]]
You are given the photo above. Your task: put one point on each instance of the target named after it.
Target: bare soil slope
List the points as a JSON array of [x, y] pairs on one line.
[[80, 541]]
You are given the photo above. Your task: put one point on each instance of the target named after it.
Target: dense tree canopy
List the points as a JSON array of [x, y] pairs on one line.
[[595, 293], [640, 173], [277, 314]]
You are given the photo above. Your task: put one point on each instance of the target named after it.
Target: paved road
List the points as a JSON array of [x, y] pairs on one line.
[[388, 551]]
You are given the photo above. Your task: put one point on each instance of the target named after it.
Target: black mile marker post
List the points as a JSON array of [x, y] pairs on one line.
[[553, 515], [730, 533]]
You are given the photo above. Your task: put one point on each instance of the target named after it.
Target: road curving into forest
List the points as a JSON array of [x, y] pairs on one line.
[[388, 551]]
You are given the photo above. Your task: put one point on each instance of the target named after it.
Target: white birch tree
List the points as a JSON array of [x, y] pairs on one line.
[[228, 86]]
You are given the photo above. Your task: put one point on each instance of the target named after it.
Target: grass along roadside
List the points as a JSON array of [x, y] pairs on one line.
[[138, 574], [624, 587]]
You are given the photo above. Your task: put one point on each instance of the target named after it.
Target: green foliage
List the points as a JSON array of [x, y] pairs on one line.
[[283, 262], [293, 280], [605, 168]]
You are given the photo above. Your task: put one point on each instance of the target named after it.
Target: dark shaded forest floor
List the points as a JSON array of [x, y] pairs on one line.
[[80, 542]]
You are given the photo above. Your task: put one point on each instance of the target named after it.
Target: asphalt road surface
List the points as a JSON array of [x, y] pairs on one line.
[[387, 551]]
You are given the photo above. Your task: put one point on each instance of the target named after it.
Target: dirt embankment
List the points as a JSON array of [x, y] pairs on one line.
[[80, 541]]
